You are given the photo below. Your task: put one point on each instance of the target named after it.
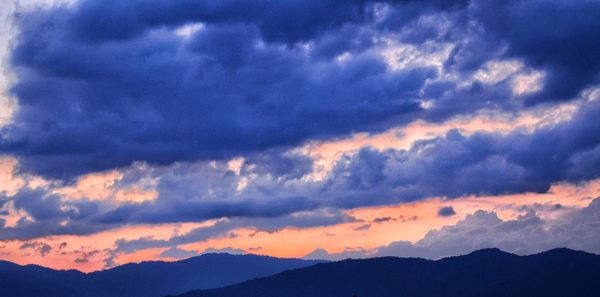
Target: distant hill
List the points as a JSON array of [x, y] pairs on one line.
[[33, 280], [489, 273], [146, 279]]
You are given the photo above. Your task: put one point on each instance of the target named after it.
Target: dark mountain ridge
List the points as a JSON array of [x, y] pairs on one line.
[[146, 279], [488, 272]]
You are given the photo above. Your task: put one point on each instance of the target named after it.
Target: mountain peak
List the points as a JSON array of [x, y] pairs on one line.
[[489, 252], [565, 252]]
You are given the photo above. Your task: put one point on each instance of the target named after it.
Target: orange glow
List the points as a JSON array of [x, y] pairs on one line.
[[408, 221]]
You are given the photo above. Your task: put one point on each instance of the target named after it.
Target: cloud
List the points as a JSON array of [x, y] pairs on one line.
[[383, 220], [83, 255], [219, 229], [322, 254], [363, 227], [42, 248], [270, 192], [188, 99], [446, 211], [483, 163], [529, 34], [50, 214], [103, 86], [226, 228], [527, 234], [524, 235], [256, 80], [178, 253], [289, 21], [228, 250]]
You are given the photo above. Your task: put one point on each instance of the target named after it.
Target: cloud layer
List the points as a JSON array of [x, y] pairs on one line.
[[276, 185], [527, 234], [100, 86]]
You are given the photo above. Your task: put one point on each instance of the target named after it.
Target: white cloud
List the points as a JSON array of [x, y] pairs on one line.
[[577, 229]]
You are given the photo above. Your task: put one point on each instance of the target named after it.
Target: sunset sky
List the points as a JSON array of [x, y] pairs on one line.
[[160, 130]]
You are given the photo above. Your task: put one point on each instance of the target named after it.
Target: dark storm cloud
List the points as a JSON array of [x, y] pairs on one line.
[[451, 166], [556, 37], [143, 93], [103, 84], [559, 37], [285, 21], [278, 21]]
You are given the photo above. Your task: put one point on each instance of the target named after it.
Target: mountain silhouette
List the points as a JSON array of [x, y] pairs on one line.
[[33, 280], [146, 279], [488, 272]]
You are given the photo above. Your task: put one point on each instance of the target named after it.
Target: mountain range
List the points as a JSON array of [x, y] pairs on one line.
[[146, 279], [488, 272]]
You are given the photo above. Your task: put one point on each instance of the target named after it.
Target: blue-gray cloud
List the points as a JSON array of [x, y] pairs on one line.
[[225, 229], [153, 96], [526, 234], [101, 85], [42, 248], [556, 36], [456, 165], [446, 211], [275, 196]]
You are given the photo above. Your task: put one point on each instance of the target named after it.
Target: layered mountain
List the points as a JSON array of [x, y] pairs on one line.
[[489, 272], [146, 279]]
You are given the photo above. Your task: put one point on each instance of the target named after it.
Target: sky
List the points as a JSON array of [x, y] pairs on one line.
[[160, 130]]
